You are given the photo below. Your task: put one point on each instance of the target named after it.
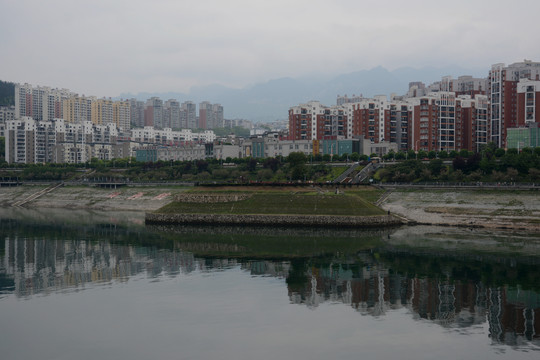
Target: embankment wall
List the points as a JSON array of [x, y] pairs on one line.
[[275, 220]]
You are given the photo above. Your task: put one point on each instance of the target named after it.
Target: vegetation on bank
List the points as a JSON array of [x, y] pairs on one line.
[[490, 165], [347, 203], [295, 167], [7, 93]]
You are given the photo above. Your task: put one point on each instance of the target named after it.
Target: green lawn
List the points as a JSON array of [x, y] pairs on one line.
[[283, 204]]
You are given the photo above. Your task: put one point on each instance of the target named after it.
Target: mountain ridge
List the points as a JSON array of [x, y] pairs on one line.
[[271, 100]]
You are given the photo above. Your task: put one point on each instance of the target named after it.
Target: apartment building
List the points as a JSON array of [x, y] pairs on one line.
[[77, 109], [444, 121], [149, 134], [188, 115], [122, 115], [40, 103], [463, 85], [171, 114], [188, 152], [503, 97], [210, 115], [153, 113], [310, 121], [375, 119], [136, 113], [528, 102], [7, 113], [102, 111], [35, 142]]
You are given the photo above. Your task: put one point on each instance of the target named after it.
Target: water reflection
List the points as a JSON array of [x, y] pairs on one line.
[[454, 291]]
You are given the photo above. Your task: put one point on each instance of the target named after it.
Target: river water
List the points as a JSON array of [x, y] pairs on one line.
[[81, 285]]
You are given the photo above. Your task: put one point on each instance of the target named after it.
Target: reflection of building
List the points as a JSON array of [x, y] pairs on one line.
[[513, 314], [42, 266]]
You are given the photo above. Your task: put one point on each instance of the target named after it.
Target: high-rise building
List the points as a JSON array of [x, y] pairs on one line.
[[136, 113], [171, 115], [503, 97], [188, 115], [528, 102], [205, 115], [77, 109], [219, 120], [153, 113], [102, 111], [308, 122], [39, 103], [210, 115], [122, 115]]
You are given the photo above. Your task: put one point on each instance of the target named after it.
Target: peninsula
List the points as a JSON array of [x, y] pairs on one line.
[[308, 206]]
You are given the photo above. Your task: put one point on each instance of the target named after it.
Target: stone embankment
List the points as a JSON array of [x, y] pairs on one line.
[[210, 198], [275, 220]]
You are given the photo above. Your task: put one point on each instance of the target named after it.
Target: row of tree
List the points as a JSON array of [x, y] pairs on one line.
[[491, 164]]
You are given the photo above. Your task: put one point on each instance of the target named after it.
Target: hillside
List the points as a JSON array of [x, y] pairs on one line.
[[7, 93]]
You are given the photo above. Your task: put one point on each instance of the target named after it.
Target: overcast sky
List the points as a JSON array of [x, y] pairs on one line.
[[106, 47]]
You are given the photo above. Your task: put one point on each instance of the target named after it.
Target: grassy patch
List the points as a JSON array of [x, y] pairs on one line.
[[334, 173], [280, 203]]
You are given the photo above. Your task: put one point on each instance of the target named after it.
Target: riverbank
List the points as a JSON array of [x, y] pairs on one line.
[[496, 209], [143, 198]]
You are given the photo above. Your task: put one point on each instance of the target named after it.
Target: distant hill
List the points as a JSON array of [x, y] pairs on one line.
[[7, 93], [271, 100]]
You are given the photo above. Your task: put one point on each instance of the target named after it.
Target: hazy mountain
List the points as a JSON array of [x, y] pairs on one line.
[[271, 100]]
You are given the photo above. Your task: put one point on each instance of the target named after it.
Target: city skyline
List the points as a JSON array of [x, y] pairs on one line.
[[119, 47]]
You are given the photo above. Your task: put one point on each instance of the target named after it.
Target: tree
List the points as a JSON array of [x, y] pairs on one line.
[[296, 158], [473, 162], [298, 172], [464, 153], [251, 164], [435, 166], [271, 163], [425, 174], [432, 154], [264, 174], [421, 154], [487, 165], [456, 175], [459, 163], [2, 148], [511, 174], [202, 165], [443, 154], [534, 174], [499, 153], [355, 156], [400, 156]]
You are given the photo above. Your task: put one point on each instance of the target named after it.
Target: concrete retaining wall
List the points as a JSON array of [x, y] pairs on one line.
[[275, 220], [210, 198]]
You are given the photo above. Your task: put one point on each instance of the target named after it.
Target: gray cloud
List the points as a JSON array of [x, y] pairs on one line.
[[104, 48]]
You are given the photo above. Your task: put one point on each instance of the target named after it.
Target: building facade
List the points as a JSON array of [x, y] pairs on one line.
[[503, 97]]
